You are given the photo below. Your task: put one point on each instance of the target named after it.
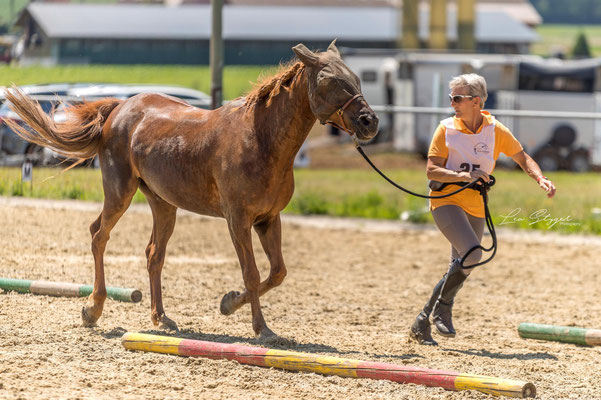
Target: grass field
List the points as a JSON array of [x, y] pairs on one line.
[[5, 10], [237, 80], [361, 193], [562, 38]]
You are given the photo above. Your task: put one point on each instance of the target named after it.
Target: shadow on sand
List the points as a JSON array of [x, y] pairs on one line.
[[506, 356]]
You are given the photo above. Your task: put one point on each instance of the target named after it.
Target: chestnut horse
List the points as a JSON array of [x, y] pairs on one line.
[[235, 162]]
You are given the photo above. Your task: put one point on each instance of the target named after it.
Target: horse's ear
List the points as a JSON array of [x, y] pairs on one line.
[[305, 55], [332, 48]]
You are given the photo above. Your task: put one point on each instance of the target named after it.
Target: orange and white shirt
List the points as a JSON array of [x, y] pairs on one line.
[[464, 150]]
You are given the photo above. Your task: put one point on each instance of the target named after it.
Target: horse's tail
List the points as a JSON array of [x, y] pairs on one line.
[[77, 137]]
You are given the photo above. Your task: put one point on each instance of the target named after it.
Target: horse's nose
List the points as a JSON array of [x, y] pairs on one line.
[[366, 119], [369, 121]]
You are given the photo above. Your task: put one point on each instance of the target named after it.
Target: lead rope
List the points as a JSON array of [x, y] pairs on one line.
[[483, 189], [462, 188]]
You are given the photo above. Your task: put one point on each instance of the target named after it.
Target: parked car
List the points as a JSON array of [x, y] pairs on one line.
[[97, 91], [49, 89], [53, 97], [13, 149], [193, 97]]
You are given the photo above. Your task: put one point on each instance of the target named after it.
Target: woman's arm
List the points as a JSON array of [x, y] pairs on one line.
[[533, 170], [436, 171]]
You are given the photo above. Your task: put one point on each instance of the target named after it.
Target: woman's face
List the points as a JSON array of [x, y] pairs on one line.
[[464, 106]]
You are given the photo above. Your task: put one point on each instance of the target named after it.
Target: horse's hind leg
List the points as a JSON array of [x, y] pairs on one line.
[[270, 234], [164, 216], [118, 192], [240, 233]]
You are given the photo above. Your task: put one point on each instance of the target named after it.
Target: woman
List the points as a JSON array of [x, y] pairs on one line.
[[464, 148]]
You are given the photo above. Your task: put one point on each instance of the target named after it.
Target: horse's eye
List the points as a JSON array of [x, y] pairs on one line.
[[325, 77]]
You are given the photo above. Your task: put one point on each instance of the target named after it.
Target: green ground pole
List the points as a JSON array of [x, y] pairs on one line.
[[64, 289], [566, 334]]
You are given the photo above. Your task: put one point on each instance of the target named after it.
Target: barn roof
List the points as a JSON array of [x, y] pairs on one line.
[[253, 23]]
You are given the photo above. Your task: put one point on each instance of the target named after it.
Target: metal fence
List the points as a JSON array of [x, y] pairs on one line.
[[499, 112]]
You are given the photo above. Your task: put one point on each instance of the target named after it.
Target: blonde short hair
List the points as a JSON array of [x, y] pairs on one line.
[[475, 83]]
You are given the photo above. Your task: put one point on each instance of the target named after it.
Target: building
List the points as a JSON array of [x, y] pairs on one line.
[[55, 33], [521, 10]]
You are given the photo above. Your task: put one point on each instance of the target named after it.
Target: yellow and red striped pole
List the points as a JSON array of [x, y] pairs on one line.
[[326, 365]]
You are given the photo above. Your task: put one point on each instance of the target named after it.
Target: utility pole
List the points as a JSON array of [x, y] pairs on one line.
[[216, 54]]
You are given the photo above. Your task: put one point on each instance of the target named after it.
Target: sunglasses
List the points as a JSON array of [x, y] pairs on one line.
[[459, 97]]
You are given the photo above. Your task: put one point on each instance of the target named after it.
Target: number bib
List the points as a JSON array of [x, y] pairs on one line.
[[468, 152]]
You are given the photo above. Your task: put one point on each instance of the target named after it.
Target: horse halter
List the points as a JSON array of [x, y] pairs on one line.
[[340, 114]]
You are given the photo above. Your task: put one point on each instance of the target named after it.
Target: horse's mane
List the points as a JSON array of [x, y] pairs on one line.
[[270, 86]]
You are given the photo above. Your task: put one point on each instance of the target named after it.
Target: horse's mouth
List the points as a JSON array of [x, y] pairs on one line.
[[362, 142]]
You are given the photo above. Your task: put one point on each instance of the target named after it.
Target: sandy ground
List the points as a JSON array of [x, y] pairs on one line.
[[352, 291]]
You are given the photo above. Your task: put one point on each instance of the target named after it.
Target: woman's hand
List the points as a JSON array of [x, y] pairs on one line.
[[531, 168], [546, 185], [477, 174]]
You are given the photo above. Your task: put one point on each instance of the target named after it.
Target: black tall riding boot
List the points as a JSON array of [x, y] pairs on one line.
[[420, 330], [429, 306], [442, 314]]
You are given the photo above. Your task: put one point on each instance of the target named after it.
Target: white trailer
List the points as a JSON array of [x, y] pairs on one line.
[[515, 83]]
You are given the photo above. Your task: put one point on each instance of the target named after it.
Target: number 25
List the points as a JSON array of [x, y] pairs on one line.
[[467, 167]]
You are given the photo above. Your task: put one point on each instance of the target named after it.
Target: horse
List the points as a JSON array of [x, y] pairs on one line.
[[234, 162]]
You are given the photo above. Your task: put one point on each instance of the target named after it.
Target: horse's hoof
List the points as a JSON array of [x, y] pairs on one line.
[[266, 333], [227, 303], [267, 336], [168, 324], [88, 320]]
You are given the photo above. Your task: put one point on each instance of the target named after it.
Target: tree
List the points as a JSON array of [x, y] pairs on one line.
[[569, 11], [581, 48]]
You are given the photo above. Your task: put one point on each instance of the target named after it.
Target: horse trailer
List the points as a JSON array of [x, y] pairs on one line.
[[416, 83]]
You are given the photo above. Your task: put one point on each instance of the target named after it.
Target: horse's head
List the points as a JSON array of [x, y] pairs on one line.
[[335, 92]]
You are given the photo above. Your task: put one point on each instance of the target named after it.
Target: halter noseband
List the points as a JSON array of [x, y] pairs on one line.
[[340, 114]]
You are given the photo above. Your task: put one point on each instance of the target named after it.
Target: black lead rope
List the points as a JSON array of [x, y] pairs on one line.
[[461, 189], [483, 188]]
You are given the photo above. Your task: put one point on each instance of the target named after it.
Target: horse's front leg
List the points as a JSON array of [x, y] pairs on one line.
[[241, 237], [270, 234]]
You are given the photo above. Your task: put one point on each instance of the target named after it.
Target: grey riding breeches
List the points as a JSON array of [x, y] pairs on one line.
[[462, 230]]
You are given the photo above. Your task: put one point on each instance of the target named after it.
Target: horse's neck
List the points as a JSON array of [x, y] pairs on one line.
[[289, 118]]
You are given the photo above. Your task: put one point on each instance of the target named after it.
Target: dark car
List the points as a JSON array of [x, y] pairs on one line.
[[13, 149]]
